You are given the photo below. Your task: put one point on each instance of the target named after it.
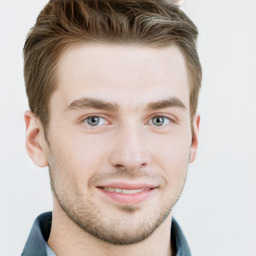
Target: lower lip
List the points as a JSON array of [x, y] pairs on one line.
[[128, 198]]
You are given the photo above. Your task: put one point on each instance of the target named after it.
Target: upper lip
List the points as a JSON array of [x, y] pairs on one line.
[[127, 186]]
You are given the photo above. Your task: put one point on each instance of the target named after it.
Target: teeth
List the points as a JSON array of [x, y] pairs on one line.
[[124, 191]]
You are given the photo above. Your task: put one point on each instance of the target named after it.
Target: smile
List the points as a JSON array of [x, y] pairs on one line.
[[124, 191]]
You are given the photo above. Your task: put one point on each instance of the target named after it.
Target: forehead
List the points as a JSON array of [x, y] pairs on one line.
[[126, 74]]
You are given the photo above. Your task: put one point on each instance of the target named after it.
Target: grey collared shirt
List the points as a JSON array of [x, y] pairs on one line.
[[36, 244]]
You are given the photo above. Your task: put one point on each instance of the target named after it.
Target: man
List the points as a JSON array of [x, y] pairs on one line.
[[113, 89]]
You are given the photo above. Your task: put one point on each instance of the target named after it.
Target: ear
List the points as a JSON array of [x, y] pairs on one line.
[[35, 140], [194, 145]]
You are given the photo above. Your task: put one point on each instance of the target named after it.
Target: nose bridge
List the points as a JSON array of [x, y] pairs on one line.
[[130, 149]]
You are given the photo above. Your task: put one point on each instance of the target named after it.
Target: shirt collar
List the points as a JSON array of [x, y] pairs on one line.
[[181, 245], [40, 232]]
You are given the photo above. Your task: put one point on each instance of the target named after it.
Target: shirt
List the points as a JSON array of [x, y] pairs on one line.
[[36, 244]]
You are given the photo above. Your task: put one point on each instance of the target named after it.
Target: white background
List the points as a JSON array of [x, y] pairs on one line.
[[217, 210]]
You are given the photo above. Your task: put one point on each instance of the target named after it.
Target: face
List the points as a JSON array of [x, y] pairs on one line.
[[119, 138]]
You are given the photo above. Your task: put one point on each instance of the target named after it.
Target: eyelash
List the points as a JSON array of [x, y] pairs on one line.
[[155, 116], [84, 119]]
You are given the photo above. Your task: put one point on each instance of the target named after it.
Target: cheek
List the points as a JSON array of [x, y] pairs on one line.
[[77, 157], [172, 155]]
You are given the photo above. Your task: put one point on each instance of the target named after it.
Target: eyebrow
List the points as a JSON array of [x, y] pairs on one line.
[[84, 103], [92, 103], [170, 102]]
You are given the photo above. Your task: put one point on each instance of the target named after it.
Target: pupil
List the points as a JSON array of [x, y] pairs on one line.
[[158, 121], [93, 120]]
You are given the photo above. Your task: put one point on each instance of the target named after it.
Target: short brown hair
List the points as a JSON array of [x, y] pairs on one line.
[[64, 22]]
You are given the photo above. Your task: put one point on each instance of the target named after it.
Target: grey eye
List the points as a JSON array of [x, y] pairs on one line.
[[160, 120], [93, 120]]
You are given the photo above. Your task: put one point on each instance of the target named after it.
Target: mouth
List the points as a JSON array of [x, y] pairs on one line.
[[126, 193]]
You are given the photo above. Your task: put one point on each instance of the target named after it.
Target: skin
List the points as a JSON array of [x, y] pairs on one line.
[[134, 142]]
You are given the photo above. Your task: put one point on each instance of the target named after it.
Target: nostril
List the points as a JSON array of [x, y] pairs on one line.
[[119, 166]]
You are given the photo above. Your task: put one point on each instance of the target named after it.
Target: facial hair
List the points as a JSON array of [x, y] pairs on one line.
[[86, 214]]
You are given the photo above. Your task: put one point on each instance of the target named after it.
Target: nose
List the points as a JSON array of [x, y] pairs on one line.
[[130, 150]]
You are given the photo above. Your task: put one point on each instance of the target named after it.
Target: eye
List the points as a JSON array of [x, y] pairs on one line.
[[94, 121], [160, 120]]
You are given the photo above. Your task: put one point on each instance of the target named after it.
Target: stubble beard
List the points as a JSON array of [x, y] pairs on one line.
[[116, 231]]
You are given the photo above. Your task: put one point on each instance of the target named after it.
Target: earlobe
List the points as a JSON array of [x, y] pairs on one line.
[[35, 140], [194, 144]]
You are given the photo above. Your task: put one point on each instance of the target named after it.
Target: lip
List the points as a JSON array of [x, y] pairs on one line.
[[131, 198], [128, 186]]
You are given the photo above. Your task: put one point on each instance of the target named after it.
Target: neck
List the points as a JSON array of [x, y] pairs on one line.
[[66, 238]]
